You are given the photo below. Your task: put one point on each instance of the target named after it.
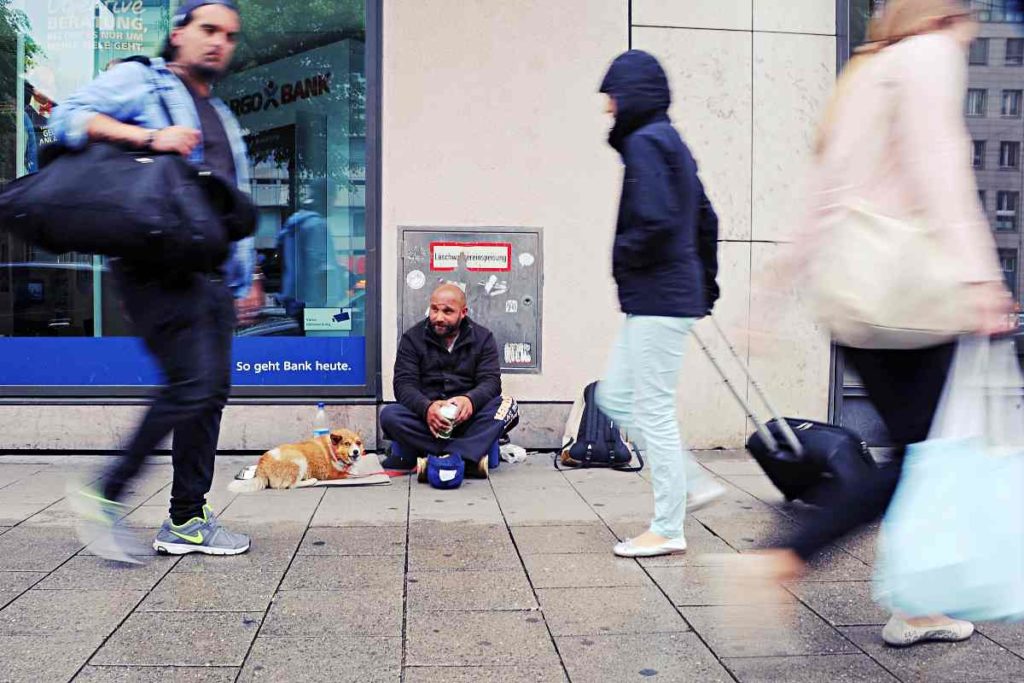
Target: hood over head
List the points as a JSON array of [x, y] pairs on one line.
[[638, 84]]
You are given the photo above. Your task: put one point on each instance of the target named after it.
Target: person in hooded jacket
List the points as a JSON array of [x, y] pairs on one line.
[[664, 263]]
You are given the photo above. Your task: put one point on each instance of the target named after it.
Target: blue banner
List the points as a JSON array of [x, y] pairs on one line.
[[124, 361]]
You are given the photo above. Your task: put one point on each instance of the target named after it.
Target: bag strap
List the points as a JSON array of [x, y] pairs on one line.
[[593, 415], [633, 468], [148, 63]]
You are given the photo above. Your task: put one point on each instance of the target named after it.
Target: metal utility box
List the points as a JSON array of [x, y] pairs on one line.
[[500, 269]]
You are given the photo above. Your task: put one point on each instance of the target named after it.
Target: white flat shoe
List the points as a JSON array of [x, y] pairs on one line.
[[669, 547], [898, 633]]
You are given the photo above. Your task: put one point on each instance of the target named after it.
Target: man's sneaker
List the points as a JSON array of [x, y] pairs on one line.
[[99, 526], [479, 469], [397, 462], [199, 535]]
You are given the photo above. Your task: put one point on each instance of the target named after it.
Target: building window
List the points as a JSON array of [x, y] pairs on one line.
[[1007, 210], [981, 200], [1011, 103], [1009, 155], [978, 152], [1014, 52], [1008, 262], [977, 101], [998, 11], [979, 52]]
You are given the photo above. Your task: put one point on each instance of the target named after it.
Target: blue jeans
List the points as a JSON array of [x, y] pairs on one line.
[[639, 393]]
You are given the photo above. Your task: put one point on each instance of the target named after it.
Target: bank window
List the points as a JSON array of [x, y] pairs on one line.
[[977, 101], [1007, 210], [978, 153], [979, 52], [298, 88], [1012, 103], [1009, 155], [1014, 52]]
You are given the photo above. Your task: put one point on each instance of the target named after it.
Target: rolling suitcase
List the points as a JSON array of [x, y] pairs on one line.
[[804, 459]]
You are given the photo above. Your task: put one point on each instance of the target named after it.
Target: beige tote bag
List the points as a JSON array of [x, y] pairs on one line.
[[886, 283], [881, 282]]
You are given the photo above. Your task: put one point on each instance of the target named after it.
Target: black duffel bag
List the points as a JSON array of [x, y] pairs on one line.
[[153, 209]]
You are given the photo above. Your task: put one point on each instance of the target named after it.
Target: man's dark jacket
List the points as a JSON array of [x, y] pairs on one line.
[[425, 371], [665, 256]]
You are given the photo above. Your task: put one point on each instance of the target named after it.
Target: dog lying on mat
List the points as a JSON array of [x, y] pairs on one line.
[[305, 463]]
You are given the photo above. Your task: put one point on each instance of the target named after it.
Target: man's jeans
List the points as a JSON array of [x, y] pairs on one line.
[[471, 439], [639, 393], [188, 326]]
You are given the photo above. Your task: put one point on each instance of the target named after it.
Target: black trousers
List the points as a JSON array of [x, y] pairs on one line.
[[471, 439], [187, 324], [905, 388]]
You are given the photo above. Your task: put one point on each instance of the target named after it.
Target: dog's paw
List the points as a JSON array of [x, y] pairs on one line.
[[307, 482]]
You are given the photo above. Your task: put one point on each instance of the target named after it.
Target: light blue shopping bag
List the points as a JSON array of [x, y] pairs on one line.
[[952, 541]]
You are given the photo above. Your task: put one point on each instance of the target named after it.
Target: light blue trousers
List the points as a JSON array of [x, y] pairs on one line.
[[639, 393]]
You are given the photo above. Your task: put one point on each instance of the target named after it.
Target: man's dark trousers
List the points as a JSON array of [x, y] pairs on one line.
[[471, 439], [187, 324]]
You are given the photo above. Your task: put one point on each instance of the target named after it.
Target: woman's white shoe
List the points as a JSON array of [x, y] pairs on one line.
[[667, 547], [900, 633]]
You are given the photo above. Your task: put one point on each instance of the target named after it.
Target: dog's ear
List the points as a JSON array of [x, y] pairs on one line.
[[337, 437]]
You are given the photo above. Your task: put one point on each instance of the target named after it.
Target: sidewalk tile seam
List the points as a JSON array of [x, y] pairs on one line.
[[529, 579], [165, 666], [488, 610], [601, 634], [195, 611], [291, 560]]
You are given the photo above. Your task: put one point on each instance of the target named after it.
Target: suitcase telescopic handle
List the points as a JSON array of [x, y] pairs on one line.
[[762, 428]]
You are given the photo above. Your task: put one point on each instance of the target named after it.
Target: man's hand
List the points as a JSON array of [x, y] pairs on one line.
[[996, 309], [465, 408], [177, 139], [435, 420], [248, 308]]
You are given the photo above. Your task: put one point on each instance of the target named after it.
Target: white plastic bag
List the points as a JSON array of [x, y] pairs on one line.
[[952, 540]]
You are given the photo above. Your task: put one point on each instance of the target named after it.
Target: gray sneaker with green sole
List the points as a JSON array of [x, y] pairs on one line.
[[199, 535], [99, 526]]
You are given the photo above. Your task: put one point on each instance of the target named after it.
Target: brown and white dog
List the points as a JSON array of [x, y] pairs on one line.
[[305, 463]]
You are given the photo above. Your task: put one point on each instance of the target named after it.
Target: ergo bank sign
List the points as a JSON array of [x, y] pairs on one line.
[[273, 97]]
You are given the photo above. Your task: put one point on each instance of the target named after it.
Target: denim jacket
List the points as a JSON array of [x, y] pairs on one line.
[[130, 92]]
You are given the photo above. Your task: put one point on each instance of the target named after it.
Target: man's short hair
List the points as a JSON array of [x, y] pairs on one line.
[[184, 14], [183, 17]]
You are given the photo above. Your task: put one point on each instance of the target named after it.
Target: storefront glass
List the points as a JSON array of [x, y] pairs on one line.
[[299, 89]]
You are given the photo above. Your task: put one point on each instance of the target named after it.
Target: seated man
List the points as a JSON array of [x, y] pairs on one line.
[[447, 359]]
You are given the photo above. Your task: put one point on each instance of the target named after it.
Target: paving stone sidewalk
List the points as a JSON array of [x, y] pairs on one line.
[[510, 579]]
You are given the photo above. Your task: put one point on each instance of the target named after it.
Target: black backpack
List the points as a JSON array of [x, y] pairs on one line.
[[592, 440]]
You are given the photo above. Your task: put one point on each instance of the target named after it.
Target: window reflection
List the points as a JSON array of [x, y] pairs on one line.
[[298, 87]]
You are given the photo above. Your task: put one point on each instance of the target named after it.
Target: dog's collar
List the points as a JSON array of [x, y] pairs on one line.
[[332, 452]]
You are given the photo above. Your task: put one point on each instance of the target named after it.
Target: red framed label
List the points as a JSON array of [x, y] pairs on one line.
[[481, 257]]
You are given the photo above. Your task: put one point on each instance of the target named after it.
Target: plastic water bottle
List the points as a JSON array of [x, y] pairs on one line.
[[320, 427]]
